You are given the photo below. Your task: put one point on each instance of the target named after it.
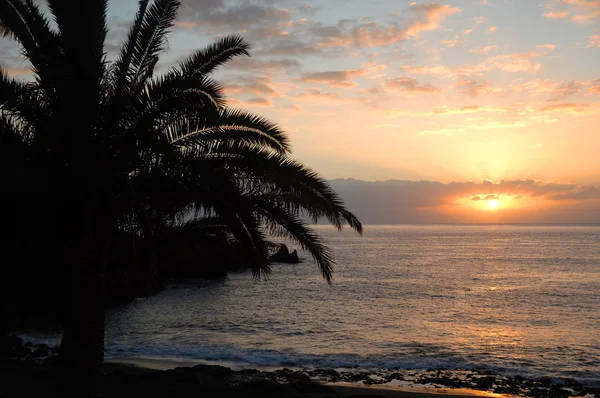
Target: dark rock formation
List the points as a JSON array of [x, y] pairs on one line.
[[283, 255]]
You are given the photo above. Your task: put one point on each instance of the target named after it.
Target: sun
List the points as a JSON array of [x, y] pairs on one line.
[[493, 204]]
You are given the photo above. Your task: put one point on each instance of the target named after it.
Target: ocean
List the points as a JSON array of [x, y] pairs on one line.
[[515, 300]]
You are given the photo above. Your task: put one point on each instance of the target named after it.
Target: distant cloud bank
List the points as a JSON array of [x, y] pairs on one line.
[[521, 201]]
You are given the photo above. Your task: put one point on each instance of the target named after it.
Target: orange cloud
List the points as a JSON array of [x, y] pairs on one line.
[[547, 46], [566, 107], [582, 11], [556, 14], [594, 41], [434, 15], [593, 87], [445, 111]]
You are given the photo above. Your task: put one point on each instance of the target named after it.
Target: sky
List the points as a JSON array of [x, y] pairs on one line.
[[474, 97]]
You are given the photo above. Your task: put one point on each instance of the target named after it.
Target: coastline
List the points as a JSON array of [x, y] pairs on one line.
[[138, 367]]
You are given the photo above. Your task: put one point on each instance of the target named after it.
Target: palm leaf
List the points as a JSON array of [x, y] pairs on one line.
[[151, 39], [207, 60]]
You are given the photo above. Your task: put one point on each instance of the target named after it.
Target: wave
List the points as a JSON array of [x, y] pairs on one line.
[[275, 359]]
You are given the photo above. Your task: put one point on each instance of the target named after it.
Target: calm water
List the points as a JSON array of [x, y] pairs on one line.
[[514, 299]]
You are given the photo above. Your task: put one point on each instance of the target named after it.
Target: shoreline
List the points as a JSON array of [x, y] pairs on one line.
[[138, 366]]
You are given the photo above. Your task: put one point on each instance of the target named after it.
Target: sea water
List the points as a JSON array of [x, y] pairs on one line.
[[517, 300]]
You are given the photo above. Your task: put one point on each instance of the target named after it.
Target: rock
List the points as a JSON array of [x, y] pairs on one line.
[[12, 346], [283, 255], [40, 352]]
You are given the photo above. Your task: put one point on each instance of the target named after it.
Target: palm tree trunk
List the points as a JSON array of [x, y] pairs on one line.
[[82, 347]]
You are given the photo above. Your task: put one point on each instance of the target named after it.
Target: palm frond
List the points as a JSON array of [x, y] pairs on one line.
[[237, 211], [287, 175], [22, 20], [151, 39], [209, 59], [235, 127], [122, 65], [285, 224]]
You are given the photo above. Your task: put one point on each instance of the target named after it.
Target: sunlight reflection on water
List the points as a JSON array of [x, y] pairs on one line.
[[520, 299]]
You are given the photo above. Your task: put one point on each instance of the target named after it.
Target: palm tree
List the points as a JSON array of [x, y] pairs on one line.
[[112, 141]]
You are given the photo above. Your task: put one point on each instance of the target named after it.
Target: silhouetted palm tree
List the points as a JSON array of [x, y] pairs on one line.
[[110, 141]]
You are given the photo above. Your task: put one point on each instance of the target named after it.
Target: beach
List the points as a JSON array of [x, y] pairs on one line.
[[222, 381]]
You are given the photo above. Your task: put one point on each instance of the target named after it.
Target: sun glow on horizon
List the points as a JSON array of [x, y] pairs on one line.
[[493, 204]]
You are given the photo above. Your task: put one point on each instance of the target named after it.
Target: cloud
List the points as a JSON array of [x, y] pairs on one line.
[[214, 14], [594, 42], [445, 111], [593, 87], [449, 43], [482, 50], [558, 91], [410, 86], [263, 65], [513, 63], [361, 34], [493, 29], [486, 197], [585, 193], [565, 107], [432, 16], [338, 79], [476, 87], [547, 46], [289, 47], [510, 63], [440, 71], [396, 201], [556, 14], [581, 11], [261, 86]]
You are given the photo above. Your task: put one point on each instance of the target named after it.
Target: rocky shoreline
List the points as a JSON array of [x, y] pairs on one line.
[[30, 370]]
